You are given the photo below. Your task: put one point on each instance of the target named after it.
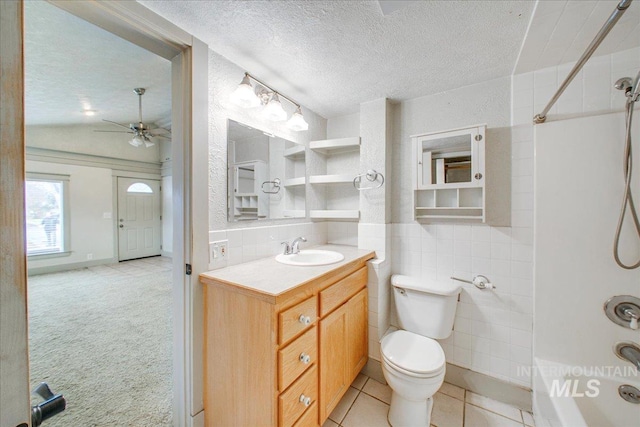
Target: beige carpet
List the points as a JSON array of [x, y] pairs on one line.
[[102, 337]]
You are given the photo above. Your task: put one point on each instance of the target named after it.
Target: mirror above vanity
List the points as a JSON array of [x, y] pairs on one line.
[[266, 175]]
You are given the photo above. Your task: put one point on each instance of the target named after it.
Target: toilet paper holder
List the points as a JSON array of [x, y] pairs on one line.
[[479, 281]]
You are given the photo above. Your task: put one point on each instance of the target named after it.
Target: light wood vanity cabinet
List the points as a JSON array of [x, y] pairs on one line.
[[286, 359]]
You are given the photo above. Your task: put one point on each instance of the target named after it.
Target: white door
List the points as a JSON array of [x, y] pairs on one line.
[[139, 221]]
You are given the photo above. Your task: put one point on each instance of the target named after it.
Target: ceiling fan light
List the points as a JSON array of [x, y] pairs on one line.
[[149, 143], [297, 121], [273, 110], [244, 95], [136, 141]]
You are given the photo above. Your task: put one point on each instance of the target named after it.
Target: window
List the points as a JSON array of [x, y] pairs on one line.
[[47, 214], [139, 187]]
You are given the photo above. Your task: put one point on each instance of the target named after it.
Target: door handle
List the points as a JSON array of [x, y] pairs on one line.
[[52, 405], [121, 226]]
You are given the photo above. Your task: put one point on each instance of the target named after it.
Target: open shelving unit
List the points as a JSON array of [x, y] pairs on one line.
[[294, 180], [341, 200]]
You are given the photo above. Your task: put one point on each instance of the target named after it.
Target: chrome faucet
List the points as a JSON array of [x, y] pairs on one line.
[[629, 352], [295, 245]]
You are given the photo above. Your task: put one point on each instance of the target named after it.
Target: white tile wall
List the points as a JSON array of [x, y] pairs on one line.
[[492, 332], [590, 92], [249, 244]]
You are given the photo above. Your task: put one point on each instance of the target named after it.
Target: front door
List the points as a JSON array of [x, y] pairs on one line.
[[138, 218]]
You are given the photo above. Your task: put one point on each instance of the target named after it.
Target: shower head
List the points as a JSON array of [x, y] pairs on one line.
[[624, 83]]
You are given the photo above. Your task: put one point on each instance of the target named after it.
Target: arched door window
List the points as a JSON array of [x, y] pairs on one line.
[[139, 187]]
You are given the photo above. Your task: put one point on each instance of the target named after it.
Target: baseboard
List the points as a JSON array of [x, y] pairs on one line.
[[34, 271], [373, 369], [488, 386], [467, 379]]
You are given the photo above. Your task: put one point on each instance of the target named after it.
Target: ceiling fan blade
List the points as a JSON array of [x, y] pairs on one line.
[[115, 123], [161, 136], [158, 130], [113, 131]]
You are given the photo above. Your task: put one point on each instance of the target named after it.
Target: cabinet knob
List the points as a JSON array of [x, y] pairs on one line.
[[305, 400], [305, 320], [305, 358], [478, 176]]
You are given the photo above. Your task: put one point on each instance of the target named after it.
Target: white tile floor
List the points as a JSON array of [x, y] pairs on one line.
[[366, 404]]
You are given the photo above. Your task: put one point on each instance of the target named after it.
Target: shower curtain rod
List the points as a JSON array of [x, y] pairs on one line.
[[611, 22]]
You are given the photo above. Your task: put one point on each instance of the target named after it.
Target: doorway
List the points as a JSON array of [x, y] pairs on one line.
[[139, 218], [100, 329], [189, 58]]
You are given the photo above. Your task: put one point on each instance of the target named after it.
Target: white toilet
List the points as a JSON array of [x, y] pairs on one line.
[[413, 362]]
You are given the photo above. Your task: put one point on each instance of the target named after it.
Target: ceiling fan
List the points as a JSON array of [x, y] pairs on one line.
[[142, 134]]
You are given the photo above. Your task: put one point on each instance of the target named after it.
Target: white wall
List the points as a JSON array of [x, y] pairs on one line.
[[90, 198], [82, 139]]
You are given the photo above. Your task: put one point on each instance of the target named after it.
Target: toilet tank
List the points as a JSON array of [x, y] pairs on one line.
[[425, 307]]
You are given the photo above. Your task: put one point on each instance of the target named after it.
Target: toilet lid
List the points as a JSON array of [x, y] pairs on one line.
[[412, 352]]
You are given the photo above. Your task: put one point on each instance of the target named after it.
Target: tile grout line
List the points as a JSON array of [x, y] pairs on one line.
[[494, 412]]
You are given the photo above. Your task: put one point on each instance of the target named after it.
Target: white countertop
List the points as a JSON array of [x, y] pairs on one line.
[[269, 277]]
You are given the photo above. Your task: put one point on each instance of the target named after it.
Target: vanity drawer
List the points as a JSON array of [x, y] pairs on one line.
[[296, 319], [291, 359], [336, 294], [290, 406], [309, 418]]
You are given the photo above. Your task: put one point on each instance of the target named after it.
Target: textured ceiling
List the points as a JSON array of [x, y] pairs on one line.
[[330, 56], [71, 65], [561, 31]]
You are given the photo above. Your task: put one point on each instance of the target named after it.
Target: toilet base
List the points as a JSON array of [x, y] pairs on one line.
[[409, 413]]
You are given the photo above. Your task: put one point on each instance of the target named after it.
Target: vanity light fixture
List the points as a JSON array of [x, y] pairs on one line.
[[297, 122], [247, 96]]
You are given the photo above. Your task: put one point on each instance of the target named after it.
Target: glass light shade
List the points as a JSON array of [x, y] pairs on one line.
[[148, 143], [273, 110], [244, 95], [136, 141], [297, 121]]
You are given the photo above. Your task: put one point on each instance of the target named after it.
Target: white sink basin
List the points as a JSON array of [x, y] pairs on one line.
[[310, 257]]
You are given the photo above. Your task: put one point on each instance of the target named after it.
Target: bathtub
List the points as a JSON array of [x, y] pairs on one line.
[[571, 396]]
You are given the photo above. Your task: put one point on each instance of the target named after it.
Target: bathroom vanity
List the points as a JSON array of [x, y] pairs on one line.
[[283, 343]]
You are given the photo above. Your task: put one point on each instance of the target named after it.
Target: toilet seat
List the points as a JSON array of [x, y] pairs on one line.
[[413, 354]]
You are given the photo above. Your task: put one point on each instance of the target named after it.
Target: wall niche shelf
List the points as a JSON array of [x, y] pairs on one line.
[[460, 174], [331, 179], [333, 146], [336, 161], [296, 152], [334, 214], [294, 182]]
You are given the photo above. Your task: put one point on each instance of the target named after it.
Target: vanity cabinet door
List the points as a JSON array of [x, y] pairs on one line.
[[358, 334], [333, 360]]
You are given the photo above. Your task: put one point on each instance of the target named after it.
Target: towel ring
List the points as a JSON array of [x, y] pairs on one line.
[[275, 184], [372, 176]]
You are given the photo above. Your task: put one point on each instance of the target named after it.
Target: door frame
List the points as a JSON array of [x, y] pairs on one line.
[[189, 56]]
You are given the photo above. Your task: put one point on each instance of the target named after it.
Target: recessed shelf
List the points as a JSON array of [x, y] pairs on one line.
[[330, 146], [479, 218], [335, 214], [294, 182], [295, 152], [331, 179]]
